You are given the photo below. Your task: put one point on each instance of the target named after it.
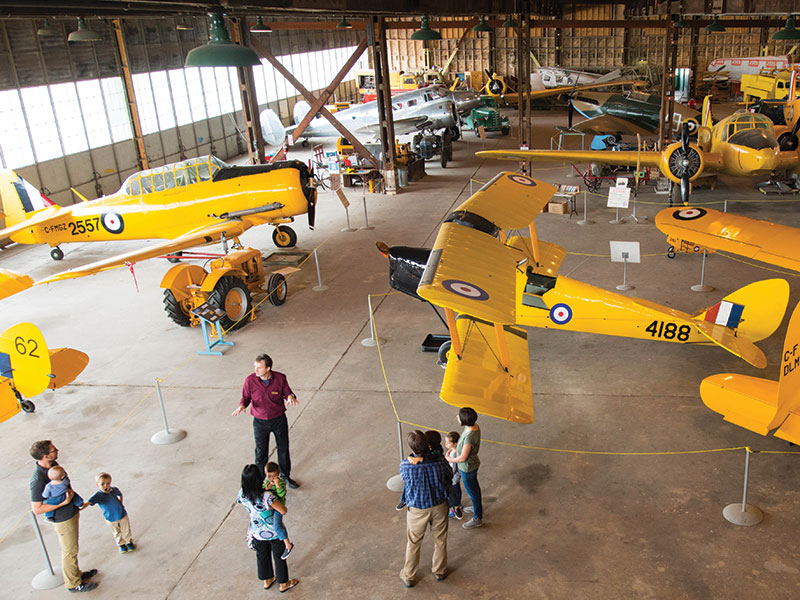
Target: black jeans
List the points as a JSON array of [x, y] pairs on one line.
[[264, 560], [261, 430]]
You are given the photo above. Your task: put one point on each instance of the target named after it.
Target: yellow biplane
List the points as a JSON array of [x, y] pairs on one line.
[[743, 144], [497, 282], [761, 405], [693, 229], [190, 203], [27, 368]]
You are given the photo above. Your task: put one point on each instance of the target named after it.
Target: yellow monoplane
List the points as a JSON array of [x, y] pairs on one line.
[[496, 282], [27, 368], [693, 229], [190, 203], [743, 144], [761, 405]]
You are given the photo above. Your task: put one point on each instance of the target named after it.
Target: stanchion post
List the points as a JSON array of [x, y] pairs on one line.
[[395, 482], [319, 287], [624, 287], [702, 287], [49, 578], [617, 220], [165, 437], [347, 216], [364, 200], [585, 220], [371, 341], [744, 514]]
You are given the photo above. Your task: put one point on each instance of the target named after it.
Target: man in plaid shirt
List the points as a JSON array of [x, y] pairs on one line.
[[426, 487]]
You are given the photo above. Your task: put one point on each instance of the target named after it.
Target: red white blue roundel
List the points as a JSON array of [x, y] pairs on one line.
[[465, 289], [688, 214], [112, 222], [561, 314], [522, 180]]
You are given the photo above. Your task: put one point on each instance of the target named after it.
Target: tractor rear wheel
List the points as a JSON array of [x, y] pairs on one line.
[[277, 289], [232, 296], [175, 310]]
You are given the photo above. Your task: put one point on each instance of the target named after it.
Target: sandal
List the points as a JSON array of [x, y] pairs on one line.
[[289, 585], [268, 583]]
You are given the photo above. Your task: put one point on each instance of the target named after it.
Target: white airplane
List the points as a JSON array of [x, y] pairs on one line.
[[426, 109]]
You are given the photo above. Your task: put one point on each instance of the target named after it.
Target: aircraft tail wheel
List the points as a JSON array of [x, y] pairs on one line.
[[56, 253], [671, 252], [174, 259], [27, 406], [443, 350], [277, 289], [232, 296], [284, 237], [175, 310]]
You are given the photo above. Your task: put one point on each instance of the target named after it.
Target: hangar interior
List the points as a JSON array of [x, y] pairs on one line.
[[616, 490]]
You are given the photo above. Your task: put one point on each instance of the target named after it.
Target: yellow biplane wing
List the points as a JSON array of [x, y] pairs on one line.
[[758, 404], [705, 227], [626, 157], [205, 235], [470, 270], [479, 380]]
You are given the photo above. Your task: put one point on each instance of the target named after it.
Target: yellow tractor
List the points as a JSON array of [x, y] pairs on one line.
[[230, 284]]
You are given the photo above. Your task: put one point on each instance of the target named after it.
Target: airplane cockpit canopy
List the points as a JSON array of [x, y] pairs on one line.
[[750, 130], [179, 174]]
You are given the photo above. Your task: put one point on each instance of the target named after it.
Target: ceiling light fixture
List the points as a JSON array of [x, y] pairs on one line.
[[260, 27], [510, 22], [716, 26], [425, 32], [343, 24], [482, 26], [220, 51], [83, 33], [789, 32]]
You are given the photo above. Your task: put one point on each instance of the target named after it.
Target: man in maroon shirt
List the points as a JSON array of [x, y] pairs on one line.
[[267, 393]]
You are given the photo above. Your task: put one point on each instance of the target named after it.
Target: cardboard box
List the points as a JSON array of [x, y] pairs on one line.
[[559, 207]]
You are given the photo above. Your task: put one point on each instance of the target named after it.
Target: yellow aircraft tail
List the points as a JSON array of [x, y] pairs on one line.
[[761, 405], [706, 114], [20, 199]]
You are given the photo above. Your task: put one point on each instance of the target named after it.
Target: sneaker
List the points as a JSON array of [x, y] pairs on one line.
[[468, 510], [458, 512], [473, 522], [123, 549], [451, 514], [406, 582], [131, 547], [440, 576], [286, 552], [400, 505], [87, 575], [84, 587]]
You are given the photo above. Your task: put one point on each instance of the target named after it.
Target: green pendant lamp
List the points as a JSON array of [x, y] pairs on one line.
[[425, 32], [482, 26], [509, 22], [343, 24], [681, 22], [220, 51], [260, 27], [83, 33], [716, 26], [787, 33]]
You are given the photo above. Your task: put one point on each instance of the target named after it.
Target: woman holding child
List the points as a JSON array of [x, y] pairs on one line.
[[261, 505], [466, 457]]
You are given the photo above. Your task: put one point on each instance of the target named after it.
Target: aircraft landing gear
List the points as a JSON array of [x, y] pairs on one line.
[[26, 405], [671, 252], [284, 237], [174, 259], [304, 143], [443, 350], [56, 253]]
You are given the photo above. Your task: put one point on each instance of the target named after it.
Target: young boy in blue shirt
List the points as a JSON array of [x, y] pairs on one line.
[[110, 500]]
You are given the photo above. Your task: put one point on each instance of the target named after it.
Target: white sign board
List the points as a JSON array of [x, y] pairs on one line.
[[625, 251], [622, 182], [333, 162], [618, 197]]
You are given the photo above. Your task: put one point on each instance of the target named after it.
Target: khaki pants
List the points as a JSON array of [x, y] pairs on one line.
[[68, 538], [121, 530], [417, 520]]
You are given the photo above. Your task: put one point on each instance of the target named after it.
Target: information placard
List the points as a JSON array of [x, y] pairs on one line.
[[625, 251], [618, 197]]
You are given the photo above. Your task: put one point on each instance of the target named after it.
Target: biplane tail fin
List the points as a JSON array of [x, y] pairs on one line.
[[20, 199], [761, 405], [477, 377]]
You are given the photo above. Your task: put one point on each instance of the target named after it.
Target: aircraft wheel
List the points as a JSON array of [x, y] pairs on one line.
[[232, 296], [284, 237], [277, 289], [443, 350], [27, 406], [174, 258], [304, 143], [56, 253], [671, 252], [505, 130], [456, 131], [175, 309]]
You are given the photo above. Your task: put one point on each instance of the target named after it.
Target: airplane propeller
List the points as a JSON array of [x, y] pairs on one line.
[[789, 141], [684, 162], [495, 86]]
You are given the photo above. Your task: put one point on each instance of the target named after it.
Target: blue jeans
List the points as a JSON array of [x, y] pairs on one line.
[[280, 530], [454, 498], [473, 489]]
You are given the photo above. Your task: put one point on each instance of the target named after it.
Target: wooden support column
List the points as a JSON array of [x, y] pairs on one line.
[[665, 79], [673, 64], [524, 81], [138, 137], [311, 100], [247, 89], [695, 38], [376, 38]]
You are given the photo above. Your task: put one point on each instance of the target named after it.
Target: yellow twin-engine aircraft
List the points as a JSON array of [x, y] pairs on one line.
[[761, 405], [27, 368], [190, 203], [743, 144], [693, 229], [497, 283]]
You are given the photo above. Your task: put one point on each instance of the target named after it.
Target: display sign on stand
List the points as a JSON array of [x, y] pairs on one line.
[[625, 252], [209, 317], [618, 197]]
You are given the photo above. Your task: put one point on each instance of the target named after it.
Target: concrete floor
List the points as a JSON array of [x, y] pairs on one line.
[[558, 525]]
